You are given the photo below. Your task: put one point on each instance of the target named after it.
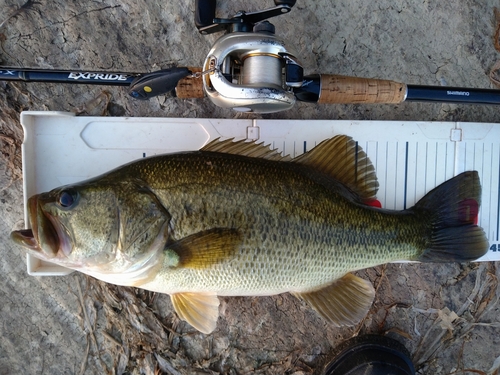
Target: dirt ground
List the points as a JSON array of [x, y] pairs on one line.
[[446, 314]]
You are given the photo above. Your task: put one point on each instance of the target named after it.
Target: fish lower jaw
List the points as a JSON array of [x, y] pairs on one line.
[[26, 239]]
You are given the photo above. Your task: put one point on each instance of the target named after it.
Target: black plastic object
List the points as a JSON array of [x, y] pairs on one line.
[[371, 355], [310, 89], [264, 27], [445, 94], [294, 74], [157, 83]]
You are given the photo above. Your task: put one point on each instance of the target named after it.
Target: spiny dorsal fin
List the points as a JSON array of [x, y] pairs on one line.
[[343, 303], [201, 310], [341, 158], [203, 249], [245, 148]]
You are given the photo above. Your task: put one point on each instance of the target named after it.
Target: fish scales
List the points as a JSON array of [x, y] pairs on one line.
[[298, 231], [238, 219]]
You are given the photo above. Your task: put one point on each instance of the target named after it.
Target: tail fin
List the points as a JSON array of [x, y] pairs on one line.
[[453, 207]]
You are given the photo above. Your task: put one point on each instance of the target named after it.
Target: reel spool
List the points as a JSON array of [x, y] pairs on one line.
[[252, 72]]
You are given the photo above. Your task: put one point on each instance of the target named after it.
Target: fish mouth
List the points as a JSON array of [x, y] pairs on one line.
[[43, 237], [25, 238]]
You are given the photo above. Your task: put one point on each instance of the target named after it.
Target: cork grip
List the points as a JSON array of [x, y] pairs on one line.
[[190, 87], [349, 90]]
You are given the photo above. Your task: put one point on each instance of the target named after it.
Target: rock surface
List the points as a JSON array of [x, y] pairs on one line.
[[446, 314]]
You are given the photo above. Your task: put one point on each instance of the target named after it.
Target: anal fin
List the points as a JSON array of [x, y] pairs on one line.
[[201, 310], [343, 303]]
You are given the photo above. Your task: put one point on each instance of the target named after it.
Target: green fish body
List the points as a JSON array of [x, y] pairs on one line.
[[237, 219]]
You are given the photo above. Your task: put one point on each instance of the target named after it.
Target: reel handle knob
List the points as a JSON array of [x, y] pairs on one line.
[[204, 13], [290, 3]]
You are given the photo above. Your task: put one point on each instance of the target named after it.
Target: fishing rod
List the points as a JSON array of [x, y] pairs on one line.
[[250, 69]]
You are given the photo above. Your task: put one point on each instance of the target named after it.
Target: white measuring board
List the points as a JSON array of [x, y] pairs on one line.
[[410, 158]]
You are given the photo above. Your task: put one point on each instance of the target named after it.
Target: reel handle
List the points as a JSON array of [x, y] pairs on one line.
[[207, 23]]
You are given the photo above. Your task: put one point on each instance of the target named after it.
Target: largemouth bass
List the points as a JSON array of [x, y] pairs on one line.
[[238, 219]]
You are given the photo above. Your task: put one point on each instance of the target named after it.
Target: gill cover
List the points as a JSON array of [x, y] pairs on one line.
[[113, 230], [137, 238]]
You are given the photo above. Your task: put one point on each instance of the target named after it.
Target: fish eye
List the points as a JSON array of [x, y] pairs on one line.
[[67, 198]]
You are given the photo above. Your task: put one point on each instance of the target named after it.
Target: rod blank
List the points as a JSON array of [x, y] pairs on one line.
[[444, 94], [67, 76]]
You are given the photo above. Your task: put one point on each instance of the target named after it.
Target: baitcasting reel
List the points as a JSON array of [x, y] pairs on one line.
[[249, 69]]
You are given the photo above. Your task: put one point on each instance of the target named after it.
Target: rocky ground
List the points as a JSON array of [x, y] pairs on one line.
[[446, 314]]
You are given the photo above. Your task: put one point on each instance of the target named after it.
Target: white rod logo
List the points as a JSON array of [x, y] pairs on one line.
[[459, 93], [104, 76]]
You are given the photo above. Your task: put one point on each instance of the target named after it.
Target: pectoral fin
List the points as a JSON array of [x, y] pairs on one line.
[[203, 249], [343, 303], [201, 310]]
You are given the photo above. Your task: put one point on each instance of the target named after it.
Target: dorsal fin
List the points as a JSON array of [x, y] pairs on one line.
[[343, 159], [245, 148]]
